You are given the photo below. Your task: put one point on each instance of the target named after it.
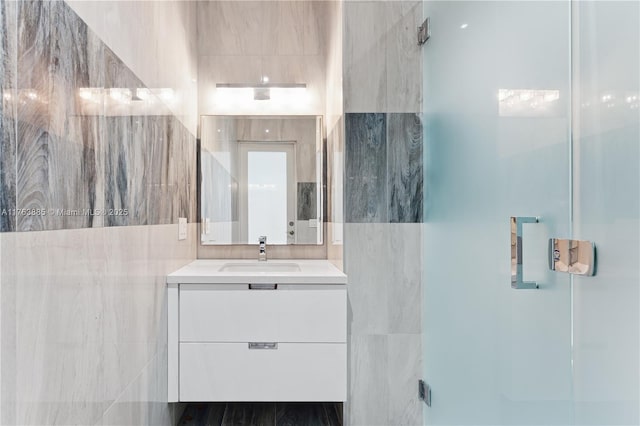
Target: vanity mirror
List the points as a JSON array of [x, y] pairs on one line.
[[261, 175]]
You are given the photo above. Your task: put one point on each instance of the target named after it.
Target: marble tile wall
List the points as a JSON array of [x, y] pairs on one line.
[[240, 41], [72, 157], [58, 148], [157, 41], [82, 339], [8, 77], [404, 168], [381, 60], [366, 168], [383, 260], [384, 264], [383, 198], [383, 168]]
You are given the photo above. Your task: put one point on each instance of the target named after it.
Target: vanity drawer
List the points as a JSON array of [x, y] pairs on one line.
[[233, 313], [292, 372]]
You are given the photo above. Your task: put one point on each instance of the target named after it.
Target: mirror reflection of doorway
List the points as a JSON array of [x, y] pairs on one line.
[[267, 202]]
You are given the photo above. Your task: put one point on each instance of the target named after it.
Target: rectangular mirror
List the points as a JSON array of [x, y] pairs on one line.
[[261, 175]]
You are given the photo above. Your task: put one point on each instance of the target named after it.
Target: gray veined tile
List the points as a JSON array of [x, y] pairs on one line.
[[183, 163], [404, 288], [7, 115], [33, 177], [366, 168], [8, 322], [368, 398], [404, 167], [403, 56], [366, 244], [128, 146], [126, 182], [365, 62], [59, 321], [161, 191], [405, 369], [161, 200], [58, 150], [307, 201]]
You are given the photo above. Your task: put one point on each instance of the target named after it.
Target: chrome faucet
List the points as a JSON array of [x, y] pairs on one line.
[[262, 254]]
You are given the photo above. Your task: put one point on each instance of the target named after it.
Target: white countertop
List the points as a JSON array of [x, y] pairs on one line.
[[207, 271]]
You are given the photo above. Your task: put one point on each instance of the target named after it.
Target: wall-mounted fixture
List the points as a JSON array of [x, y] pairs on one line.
[[424, 32], [265, 91]]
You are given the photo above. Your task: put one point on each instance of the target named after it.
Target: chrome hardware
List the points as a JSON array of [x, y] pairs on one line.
[[516, 253], [572, 256], [263, 286], [262, 254], [424, 392], [263, 345], [424, 32]]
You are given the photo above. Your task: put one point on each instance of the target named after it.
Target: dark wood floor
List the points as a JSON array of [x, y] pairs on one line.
[[262, 414]]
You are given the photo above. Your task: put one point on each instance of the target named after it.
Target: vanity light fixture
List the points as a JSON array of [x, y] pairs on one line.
[[265, 91]]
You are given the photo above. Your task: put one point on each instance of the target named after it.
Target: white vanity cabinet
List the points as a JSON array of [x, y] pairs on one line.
[[281, 337]]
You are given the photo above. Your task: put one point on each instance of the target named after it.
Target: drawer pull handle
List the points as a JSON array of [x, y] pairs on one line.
[[263, 286], [263, 345]]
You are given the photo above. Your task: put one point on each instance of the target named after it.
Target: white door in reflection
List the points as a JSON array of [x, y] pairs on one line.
[[269, 198]]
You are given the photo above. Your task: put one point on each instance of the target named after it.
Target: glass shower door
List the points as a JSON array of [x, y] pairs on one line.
[[606, 135], [497, 120]]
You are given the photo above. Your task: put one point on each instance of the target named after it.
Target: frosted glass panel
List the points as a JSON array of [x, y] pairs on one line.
[[498, 111], [497, 126], [267, 196], [606, 44]]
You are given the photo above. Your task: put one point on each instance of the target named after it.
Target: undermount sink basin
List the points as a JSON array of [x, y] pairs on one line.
[[260, 267], [251, 271]]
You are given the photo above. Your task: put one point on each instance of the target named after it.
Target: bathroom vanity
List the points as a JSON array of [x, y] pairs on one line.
[[243, 330]]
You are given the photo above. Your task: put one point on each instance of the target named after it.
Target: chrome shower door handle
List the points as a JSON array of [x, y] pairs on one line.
[[516, 252], [575, 257]]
